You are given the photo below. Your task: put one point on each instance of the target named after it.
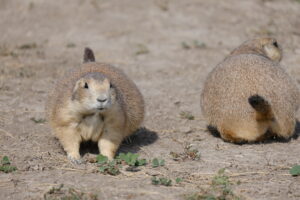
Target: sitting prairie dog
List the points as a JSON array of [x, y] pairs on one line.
[[95, 102], [250, 94]]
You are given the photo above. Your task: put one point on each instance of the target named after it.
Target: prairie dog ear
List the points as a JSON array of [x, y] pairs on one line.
[[88, 55], [273, 51]]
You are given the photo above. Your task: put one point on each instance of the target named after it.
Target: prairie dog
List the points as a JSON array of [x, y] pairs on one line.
[[249, 93], [95, 102]]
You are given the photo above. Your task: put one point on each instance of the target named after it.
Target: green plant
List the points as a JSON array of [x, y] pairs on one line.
[[5, 51], [28, 46], [71, 45], [54, 189], [185, 45], [187, 115], [222, 181], [220, 189], [108, 167], [5, 161], [40, 120], [200, 197], [175, 156], [131, 159], [189, 153], [156, 162], [178, 180], [193, 154], [61, 193], [295, 170], [6, 165], [198, 44], [141, 49], [161, 181], [164, 181], [101, 159], [113, 167], [194, 44]]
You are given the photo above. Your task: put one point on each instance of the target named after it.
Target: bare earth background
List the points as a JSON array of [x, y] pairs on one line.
[[167, 47]]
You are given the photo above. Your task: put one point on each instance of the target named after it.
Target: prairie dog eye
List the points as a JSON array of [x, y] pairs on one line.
[[110, 85], [275, 44], [86, 86]]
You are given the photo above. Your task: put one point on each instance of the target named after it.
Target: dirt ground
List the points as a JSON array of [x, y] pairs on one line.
[[167, 47]]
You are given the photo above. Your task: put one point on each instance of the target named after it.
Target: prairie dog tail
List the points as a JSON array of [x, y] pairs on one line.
[[262, 107]]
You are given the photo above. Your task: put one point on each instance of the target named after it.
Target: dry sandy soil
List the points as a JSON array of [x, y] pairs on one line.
[[167, 47]]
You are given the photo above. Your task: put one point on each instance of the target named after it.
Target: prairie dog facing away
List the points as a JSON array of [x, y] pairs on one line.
[[95, 102], [250, 94]]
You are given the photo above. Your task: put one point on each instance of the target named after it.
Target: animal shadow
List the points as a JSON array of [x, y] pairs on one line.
[[297, 130], [142, 137], [269, 137]]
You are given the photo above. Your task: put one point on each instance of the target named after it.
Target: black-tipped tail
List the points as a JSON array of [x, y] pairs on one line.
[[88, 55], [259, 103], [262, 106]]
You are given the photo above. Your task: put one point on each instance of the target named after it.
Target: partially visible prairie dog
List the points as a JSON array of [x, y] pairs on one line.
[[95, 102], [249, 94], [266, 47]]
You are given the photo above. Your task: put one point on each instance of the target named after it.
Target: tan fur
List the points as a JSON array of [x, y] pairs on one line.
[[251, 69], [260, 46], [71, 112]]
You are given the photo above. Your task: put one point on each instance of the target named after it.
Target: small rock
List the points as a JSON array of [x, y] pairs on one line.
[[35, 167], [177, 103], [152, 173], [186, 130]]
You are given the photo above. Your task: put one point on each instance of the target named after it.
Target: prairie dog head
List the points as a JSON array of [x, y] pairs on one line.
[[267, 47], [272, 49], [94, 92]]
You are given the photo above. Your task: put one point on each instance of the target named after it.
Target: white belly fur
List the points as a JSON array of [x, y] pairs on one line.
[[91, 128]]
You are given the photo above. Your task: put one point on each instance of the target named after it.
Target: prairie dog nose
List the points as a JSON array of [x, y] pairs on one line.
[[102, 100]]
